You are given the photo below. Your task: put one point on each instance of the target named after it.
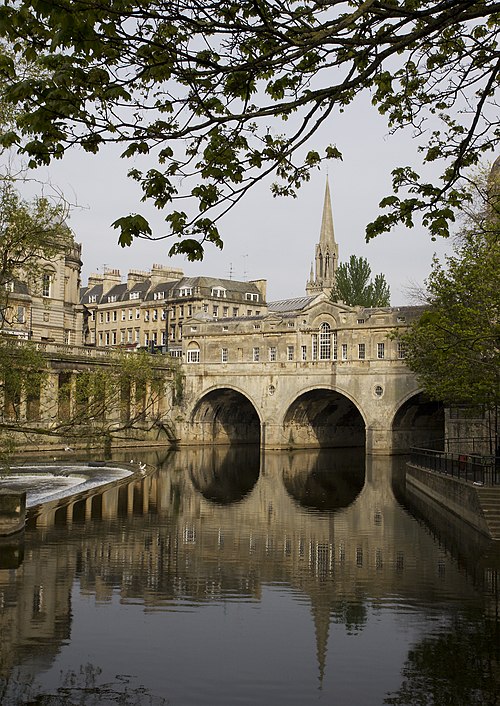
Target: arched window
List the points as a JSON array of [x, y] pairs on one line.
[[325, 342]]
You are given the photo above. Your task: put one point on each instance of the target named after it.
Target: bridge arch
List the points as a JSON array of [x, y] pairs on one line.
[[225, 415], [418, 421], [323, 417]]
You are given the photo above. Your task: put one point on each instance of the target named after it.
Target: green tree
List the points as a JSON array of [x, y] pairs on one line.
[[222, 94], [453, 346], [31, 233], [353, 284]]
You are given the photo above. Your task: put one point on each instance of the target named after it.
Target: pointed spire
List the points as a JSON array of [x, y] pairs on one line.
[[327, 235]]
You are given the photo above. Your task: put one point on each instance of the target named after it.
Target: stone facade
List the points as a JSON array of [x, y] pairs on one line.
[[150, 308], [48, 310]]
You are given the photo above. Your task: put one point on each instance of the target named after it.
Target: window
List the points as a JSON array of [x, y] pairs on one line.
[[181, 311], [123, 315], [130, 314], [190, 309], [100, 339], [223, 355], [289, 353], [361, 321], [251, 297], [21, 315], [401, 319], [256, 355], [115, 315], [205, 308], [108, 317], [106, 338], [194, 328], [225, 328], [218, 292], [146, 338], [291, 324], [185, 292], [92, 315], [129, 335], [256, 326], [113, 338], [380, 350], [155, 314], [159, 295], [146, 315], [225, 311], [325, 342], [236, 311], [137, 313], [401, 350], [335, 347], [257, 312], [249, 312], [134, 295], [193, 356], [163, 314], [137, 333], [215, 311], [111, 298], [46, 282], [344, 351], [272, 354], [361, 351], [101, 317], [314, 343], [92, 299], [303, 352], [154, 337]]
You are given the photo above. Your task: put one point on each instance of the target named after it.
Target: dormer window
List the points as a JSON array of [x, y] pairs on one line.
[[112, 298], [134, 295], [185, 291], [251, 297], [93, 299], [159, 295], [218, 292]]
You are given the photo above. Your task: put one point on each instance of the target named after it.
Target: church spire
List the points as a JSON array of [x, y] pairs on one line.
[[327, 252], [327, 235]]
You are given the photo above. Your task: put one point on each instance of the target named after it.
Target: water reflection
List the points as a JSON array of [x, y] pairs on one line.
[[324, 481], [224, 474], [259, 586]]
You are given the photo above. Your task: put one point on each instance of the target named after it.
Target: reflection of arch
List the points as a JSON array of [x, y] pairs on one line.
[[225, 476], [326, 481], [226, 415], [418, 421], [324, 417]]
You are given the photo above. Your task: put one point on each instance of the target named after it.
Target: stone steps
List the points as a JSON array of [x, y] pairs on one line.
[[490, 505]]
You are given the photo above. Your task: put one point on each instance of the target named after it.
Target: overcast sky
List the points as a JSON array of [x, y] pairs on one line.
[[264, 237]]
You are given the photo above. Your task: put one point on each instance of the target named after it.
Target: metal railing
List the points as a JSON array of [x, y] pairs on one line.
[[472, 468]]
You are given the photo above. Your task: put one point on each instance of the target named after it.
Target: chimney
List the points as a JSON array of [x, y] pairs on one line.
[[110, 279], [261, 285], [161, 273], [136, 276], [94, 279]]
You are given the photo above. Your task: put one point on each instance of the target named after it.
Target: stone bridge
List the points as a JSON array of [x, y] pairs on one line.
[[244, 384]]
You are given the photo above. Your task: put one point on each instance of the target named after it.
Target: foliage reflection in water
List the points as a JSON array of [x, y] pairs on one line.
[[228, 577]]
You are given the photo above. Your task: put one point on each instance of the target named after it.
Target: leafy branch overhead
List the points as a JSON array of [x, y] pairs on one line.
[[207, 98]]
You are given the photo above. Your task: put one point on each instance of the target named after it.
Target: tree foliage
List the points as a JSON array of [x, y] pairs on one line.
[[354, 286], [454, 346], [31, 233], [207, 98]]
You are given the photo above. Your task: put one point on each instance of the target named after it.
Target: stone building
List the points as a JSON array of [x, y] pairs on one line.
[[48, 309], [150, 308]]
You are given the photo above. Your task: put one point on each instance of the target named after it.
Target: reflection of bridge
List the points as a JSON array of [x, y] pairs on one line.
[[173, 536], [313, 374]]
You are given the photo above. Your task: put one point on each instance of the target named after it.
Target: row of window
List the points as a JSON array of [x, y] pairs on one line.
[[193, 356], [161, 315], [218, 292]]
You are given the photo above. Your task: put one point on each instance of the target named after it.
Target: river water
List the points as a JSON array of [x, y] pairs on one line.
[[225, 577]]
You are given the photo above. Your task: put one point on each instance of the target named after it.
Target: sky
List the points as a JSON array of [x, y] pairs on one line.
[[265, 237]]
